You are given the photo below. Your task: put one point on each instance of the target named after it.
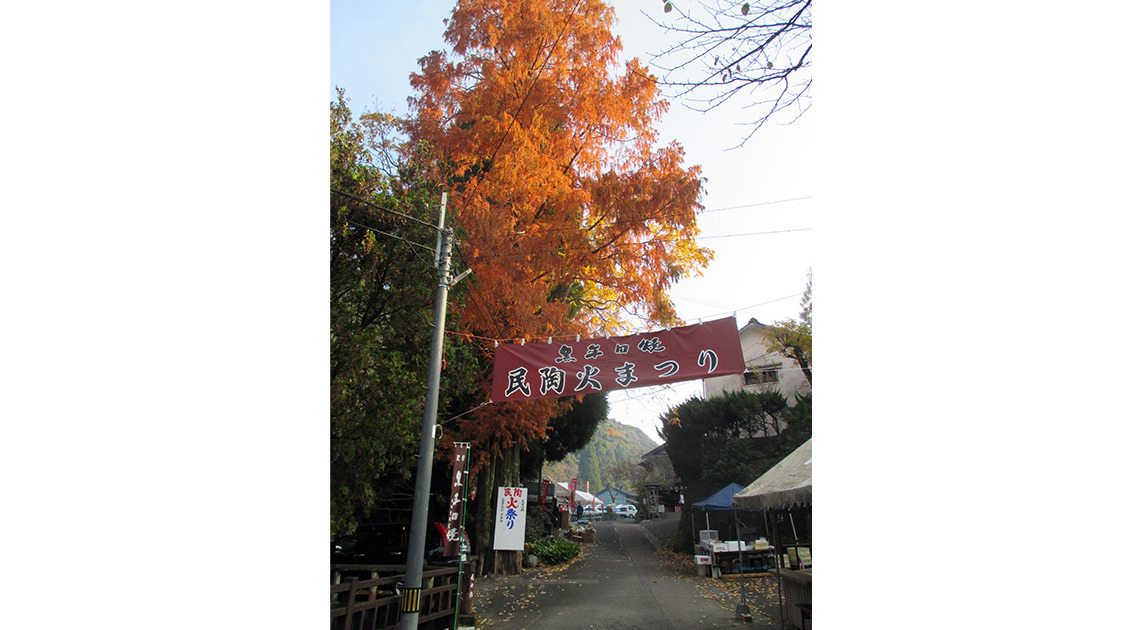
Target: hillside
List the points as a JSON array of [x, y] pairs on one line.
[[613, 443]]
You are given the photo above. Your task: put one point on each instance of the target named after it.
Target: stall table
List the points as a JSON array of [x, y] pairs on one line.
[[728, 553], [796, 588]]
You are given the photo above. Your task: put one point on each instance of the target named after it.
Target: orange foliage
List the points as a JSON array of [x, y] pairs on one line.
[[567, 212]]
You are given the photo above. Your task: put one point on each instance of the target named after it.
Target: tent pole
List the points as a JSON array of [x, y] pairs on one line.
[[741, 610], [796, 537], [778, 582]]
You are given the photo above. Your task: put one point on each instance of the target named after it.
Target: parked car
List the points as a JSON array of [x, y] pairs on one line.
[[388, 543], [627, 510], [437, 554]]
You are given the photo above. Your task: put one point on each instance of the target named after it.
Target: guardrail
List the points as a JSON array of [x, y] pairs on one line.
[[375, 604]]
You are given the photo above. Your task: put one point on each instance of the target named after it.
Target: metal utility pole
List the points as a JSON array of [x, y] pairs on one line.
[[411, 589]]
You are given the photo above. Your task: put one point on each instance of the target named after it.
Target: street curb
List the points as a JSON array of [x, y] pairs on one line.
[[648, 535]]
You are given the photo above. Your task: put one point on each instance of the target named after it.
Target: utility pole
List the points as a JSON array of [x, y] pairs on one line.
[[411, 589]]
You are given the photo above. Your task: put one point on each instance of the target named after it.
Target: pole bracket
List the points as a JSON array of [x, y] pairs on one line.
[[411, 600]]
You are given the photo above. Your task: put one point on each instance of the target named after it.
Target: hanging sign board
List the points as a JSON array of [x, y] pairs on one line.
[[568, 368], [509, 530]]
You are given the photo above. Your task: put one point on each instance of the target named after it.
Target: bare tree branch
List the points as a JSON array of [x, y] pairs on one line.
[[759, 61]]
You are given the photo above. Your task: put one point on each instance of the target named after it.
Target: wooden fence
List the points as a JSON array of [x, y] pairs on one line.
[[374, 603]]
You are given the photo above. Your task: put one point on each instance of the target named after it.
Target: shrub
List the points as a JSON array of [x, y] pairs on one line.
[[553, 550], [535, 520]]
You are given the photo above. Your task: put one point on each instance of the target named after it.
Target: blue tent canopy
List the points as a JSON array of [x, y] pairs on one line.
[[721, 501]]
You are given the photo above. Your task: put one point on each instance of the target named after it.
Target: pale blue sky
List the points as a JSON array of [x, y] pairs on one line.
[[374, 46]]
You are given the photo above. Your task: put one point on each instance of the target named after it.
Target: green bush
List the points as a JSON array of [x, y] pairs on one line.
[[535, 520], [553, 550]]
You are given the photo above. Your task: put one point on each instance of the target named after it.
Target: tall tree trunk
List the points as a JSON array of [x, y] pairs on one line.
[[508, 475], [482, 522], [503, 472]]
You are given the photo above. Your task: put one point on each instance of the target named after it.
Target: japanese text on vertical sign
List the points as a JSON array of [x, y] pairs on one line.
[[453, 522], [512, 505], [509, 529]]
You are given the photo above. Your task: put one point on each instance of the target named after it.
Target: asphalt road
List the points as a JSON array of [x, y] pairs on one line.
[[618, 583]]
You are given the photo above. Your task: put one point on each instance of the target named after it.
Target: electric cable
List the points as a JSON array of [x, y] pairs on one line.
[[389, 234], [636, 244], [383, 209]]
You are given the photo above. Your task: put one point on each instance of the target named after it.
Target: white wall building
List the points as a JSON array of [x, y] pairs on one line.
[[765, 370]]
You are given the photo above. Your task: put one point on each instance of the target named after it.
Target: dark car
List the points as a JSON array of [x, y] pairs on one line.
[[388, 543]]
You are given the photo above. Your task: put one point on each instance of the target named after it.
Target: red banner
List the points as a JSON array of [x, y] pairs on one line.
[[568, 368], [453, 525], [544, 492]]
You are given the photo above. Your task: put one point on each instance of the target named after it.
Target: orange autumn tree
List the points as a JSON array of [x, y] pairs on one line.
[[571, 217]]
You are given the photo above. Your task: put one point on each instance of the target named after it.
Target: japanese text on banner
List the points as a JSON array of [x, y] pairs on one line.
[[548, 370]]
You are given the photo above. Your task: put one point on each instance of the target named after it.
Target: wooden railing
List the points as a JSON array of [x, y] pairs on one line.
[[374, 603]]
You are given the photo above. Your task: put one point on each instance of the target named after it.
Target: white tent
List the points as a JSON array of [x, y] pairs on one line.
[[561, 491], [786, 485]]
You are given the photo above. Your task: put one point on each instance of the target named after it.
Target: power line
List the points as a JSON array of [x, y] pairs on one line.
[[728, 309], [636, 244], [383, 209], [788, 297], [755, 233], [477, 295], [753, 205], [466, 413], [672, 215], [407, 241]]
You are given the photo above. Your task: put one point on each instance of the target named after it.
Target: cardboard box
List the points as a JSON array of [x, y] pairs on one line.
[[703, 559]]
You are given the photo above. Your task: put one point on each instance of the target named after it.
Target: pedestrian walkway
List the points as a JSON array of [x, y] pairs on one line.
[[620, 582]]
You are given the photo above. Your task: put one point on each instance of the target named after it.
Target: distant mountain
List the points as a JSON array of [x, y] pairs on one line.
[[613, 443]]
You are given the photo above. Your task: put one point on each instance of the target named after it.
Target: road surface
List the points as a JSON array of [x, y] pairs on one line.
[[618, 583]]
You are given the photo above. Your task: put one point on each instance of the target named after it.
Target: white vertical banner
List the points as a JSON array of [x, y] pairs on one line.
[[509, 530]]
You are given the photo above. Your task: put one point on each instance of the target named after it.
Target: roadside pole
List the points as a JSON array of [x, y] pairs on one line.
[[411, 590]]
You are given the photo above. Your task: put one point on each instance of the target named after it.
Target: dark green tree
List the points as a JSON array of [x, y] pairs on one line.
[[730, 438], [381, 309], [697, 434], [573, 430]]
